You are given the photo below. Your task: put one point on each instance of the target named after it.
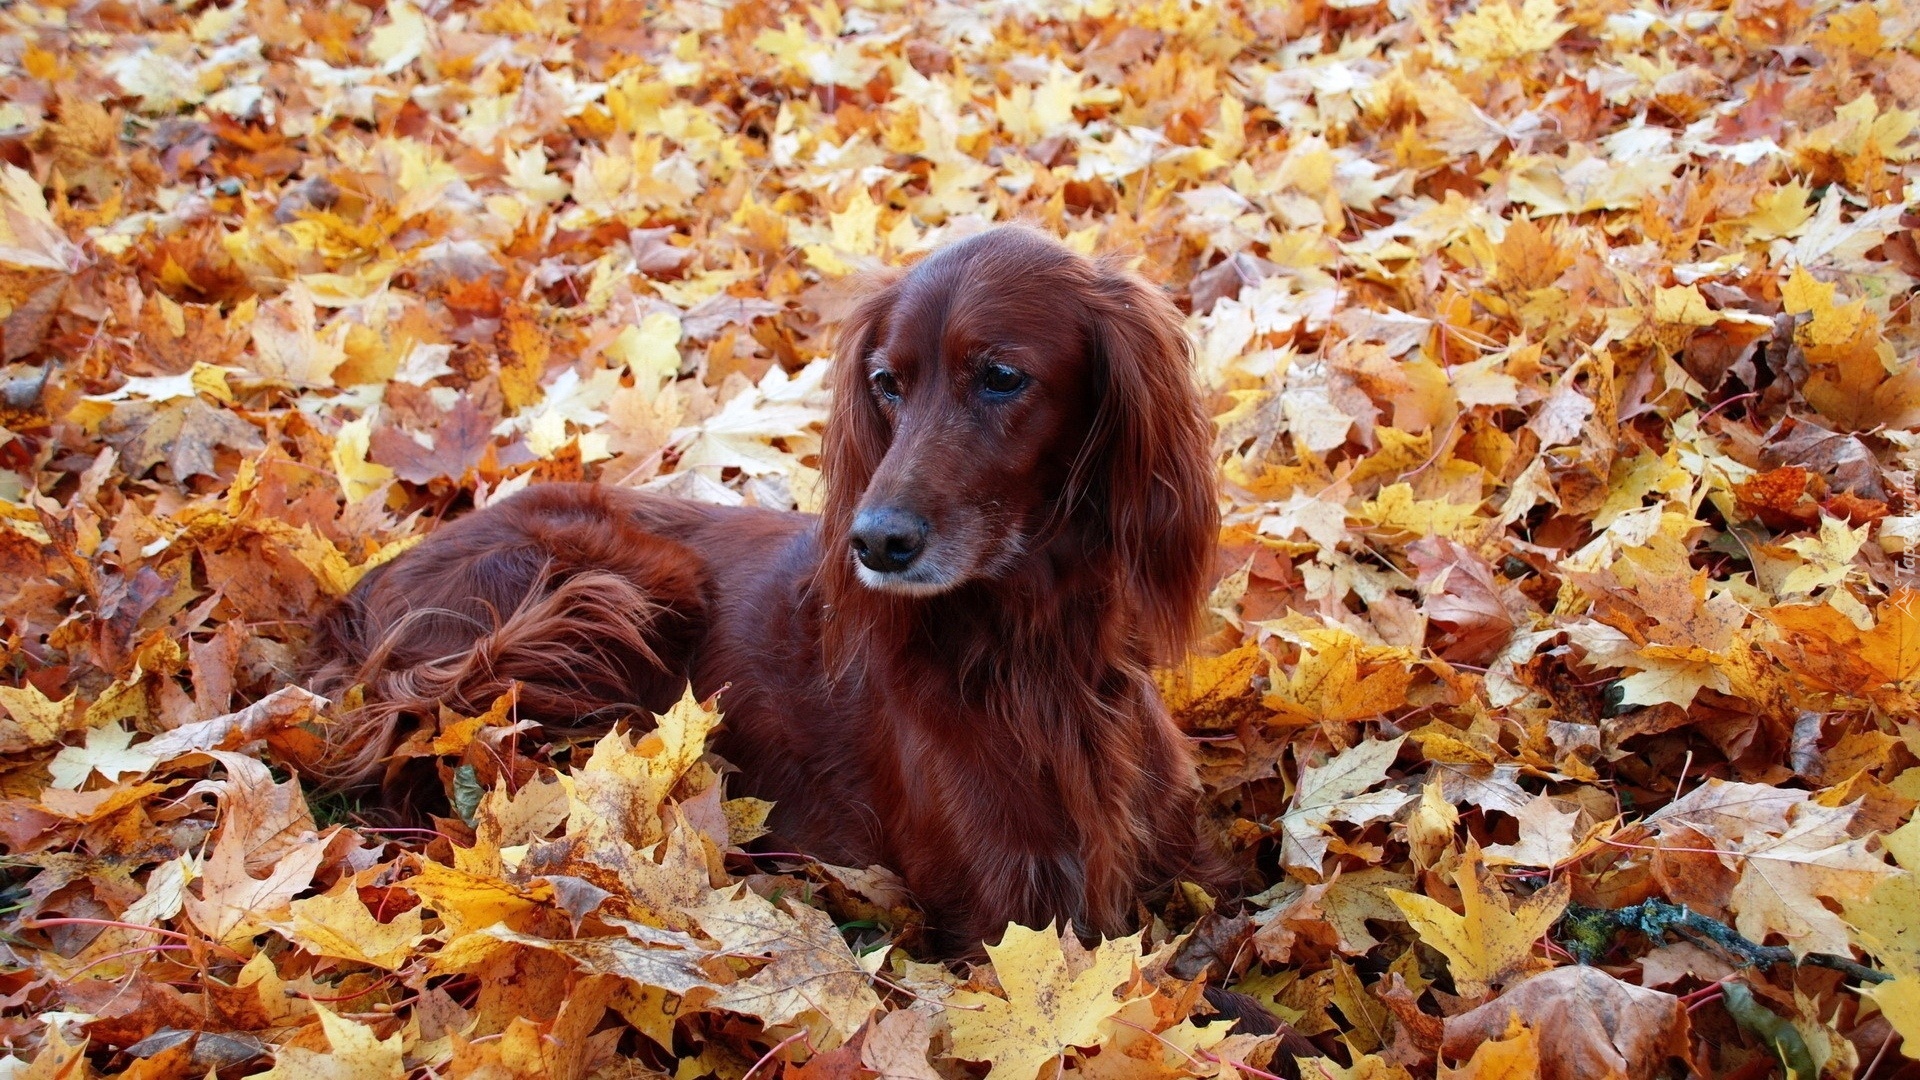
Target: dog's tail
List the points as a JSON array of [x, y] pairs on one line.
[[563, 599]]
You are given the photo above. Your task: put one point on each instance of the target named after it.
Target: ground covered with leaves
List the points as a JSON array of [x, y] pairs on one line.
[[1560, 691]]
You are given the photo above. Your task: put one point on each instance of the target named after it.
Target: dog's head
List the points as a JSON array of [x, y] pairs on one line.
[[1008, 395]]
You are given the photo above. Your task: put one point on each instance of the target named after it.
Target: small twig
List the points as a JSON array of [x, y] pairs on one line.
[[1241, 1065], [129, 952], [1589, 930], [41, 924], [777, 1047], [1157, 1037], [1872, 1066]]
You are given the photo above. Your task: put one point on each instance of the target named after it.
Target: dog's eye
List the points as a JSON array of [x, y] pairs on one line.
[[1001, 380], [886, 384]]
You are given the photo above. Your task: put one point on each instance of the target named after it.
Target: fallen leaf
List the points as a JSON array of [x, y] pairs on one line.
[[1338, 790], [1491, 941], [1049, 1006], [1589, 1024]]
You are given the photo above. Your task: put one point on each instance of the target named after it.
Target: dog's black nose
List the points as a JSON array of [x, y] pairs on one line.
[[887, 540]]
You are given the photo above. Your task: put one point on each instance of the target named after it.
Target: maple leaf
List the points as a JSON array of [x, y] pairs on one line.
[[1139, 1045], [354, 1052], [1784, 877], [29, 237], [33, 719], [1888, 919], [1499, 30], [288, 344], [896, 1047], [741, 434], [105, 752], [1547, 836], [1590, 1025], [810, 970], [1215, 692], [617, 794], [1829, 557], [233, 905], [1050, 1005], [1513, 1056], [455, 446], [359, 477], [1489, 942], [182, 432], [1341, 789], [1327, 684], [338, 924], [650, 351], [1729, 811]]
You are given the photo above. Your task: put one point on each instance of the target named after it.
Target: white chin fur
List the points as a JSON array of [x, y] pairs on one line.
[[914, 582]]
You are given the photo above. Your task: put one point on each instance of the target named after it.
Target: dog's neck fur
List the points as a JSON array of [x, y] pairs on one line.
[[1022, 662]]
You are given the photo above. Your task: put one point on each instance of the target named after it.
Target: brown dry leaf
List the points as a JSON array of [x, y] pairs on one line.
[[1589, 1024], [182, 433], [233, 905], [896, 1047], [456, 445]]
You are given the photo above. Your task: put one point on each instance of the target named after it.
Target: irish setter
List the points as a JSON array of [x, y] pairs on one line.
[[946, 671]]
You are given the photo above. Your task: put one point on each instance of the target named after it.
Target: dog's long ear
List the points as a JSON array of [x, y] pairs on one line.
[[857, 434], [1154, 470]]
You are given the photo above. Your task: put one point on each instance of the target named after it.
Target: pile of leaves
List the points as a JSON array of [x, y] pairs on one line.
[[1561, 688]]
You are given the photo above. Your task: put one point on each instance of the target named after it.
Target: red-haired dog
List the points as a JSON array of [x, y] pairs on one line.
[[946, 671]]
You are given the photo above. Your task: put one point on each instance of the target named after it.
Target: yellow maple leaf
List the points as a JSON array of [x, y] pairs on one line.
[[401, 39], [1140, 1047], [1327, 684], [1489, 942], [1682, 305], [620, 790], [1338, 790], [1887, 920], [1501, 30], [1395, 510], [1364, 1067], [359, 477], [1780, 213], [856, 229], [105, 752], [1049, 1006], [1215, 692], [354, 1052], [33, 719], [1829, 557], [1514, 1056], [337, 923], [233, 904], [651, 351]]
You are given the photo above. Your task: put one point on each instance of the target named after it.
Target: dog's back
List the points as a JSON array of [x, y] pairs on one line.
[[557, 589]]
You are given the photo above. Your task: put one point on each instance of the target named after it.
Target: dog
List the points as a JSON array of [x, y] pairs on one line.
[[948, 670]]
